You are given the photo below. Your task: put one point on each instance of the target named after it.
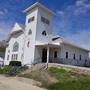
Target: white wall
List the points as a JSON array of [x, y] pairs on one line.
[[16, 38], [71, 50], [29, 51], [38, 54], [41, 26]]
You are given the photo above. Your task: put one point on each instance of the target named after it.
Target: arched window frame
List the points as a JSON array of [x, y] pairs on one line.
[[66, 55], [28, 44], [80, 57], [55, 54], [74, 56], [44, 33], [15, 47], [29, 32]]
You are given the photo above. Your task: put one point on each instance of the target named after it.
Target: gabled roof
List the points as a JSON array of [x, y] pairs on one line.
[[37, 4], [68, 42], [17, 27]]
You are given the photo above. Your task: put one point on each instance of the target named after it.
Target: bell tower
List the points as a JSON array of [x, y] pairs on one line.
[[38, 27]]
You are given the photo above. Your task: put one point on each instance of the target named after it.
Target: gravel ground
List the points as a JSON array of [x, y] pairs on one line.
[[16, 83]]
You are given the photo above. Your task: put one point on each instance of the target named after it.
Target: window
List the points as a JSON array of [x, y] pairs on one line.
[[8, 57], [14, 57], [28, 44], [29, 32], [74, 56], [31, 19], [44, 33], [45, 20], [85, 60], [55, 54], [21, 56], [80, 57], [8, 51], [15, 47], [66, 55]]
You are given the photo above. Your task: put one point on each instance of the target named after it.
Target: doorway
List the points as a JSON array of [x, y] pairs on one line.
[[44, 55]]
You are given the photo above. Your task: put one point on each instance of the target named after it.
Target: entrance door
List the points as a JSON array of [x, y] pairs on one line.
[[44, 55]]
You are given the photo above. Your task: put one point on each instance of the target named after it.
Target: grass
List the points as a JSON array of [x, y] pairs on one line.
[[60, 79], [69, 80]]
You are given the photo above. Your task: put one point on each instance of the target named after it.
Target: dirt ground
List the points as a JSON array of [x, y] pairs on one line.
[[17, 83]]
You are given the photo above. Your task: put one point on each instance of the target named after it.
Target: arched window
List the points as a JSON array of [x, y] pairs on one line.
[[55, 54], [28, 44], [44, 33], [29, 32], [15, 47], [74, 56], [66, 55], [80, 57], [7, 57]]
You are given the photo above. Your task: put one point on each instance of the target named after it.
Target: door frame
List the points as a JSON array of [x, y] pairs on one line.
[[44, 55]]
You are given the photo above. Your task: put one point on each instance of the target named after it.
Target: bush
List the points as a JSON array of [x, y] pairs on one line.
[[16, 70], [15, 63], [5, 70], [12, 70]]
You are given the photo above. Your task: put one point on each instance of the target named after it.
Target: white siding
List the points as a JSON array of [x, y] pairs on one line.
[[16, 38], [29, 52], [74, 50]]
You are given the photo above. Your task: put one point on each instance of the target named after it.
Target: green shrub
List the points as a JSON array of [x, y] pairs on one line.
[[16, 70], [12, 70], [15, 63], [5, 70]]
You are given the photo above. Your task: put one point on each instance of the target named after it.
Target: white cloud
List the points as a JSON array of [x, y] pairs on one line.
[[61, 13], [81, 7], [80, 2], [82, 38], [64, 24], [3, 34], [5, 28], [3, 12]]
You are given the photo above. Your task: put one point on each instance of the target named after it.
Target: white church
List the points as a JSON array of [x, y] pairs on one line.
[[34, 42]]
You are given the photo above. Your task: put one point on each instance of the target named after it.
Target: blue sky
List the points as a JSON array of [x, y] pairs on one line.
[[72, 18]]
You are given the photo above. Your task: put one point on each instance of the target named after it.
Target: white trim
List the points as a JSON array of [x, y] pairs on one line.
[[37, 4]]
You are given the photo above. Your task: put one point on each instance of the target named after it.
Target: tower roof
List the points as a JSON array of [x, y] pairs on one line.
[[39, 5]]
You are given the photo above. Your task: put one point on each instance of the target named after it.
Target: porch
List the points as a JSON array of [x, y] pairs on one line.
[[47, 53]]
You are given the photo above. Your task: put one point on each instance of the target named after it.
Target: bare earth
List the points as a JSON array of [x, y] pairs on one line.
[[17, 83]]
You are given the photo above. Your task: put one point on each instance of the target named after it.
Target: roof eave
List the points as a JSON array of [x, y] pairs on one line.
[[77, 46], [38, 5]]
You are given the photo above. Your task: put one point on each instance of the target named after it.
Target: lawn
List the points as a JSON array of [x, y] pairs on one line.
[[69, 80], [60, 79]]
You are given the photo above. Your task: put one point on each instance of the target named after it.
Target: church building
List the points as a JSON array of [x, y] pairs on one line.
[[34, 42]]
